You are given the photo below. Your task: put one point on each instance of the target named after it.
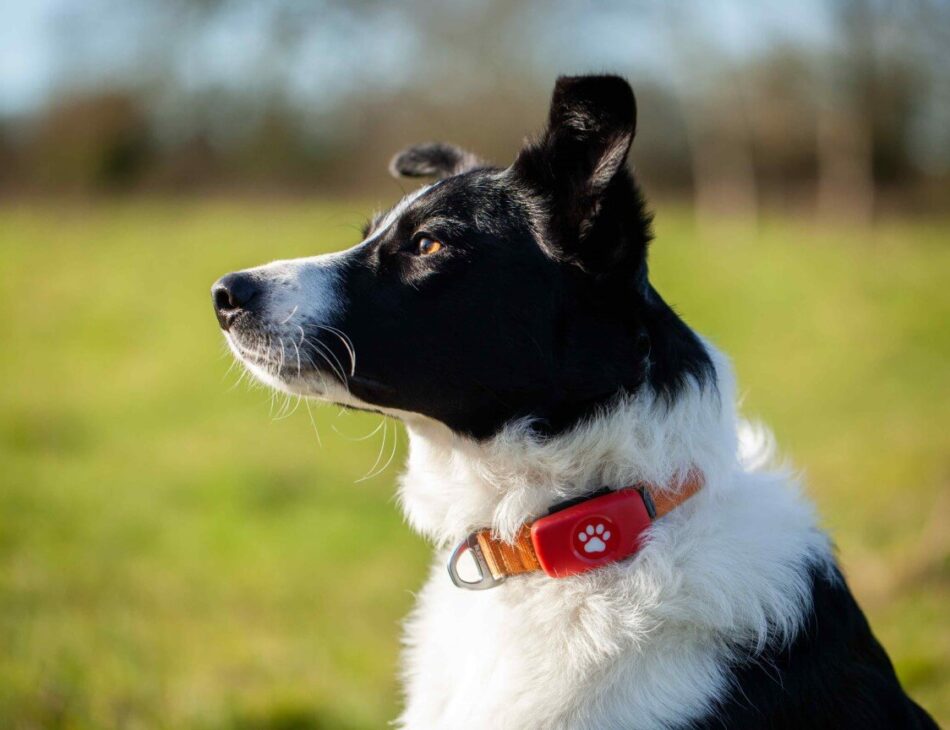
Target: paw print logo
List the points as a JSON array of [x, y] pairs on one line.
[[593, 537]]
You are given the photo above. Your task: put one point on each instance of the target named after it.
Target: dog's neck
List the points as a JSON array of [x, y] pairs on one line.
[[725, 574], [454, 485]]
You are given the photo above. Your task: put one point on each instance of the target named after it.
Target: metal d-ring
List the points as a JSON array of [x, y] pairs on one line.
[[486, 578]]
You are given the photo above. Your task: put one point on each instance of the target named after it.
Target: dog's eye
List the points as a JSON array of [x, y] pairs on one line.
[[426, 246]]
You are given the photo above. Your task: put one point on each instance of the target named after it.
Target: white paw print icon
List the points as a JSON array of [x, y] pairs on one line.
[[594, 538]]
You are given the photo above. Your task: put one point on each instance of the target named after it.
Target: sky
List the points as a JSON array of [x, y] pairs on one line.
[[48, 44], [25, 58]]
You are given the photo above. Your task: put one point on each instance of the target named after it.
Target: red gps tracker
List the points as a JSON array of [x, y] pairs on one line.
[[590, 534]]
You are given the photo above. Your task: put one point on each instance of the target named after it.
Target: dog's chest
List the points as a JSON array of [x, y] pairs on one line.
[[537, 655]]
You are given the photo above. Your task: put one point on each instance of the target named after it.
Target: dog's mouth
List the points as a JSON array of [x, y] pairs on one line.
[[295, 362], [258, 355], [309, 368]]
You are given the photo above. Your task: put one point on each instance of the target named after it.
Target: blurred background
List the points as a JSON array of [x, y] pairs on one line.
[[179, 549]]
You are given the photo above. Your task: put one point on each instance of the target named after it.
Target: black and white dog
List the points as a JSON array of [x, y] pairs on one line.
[[558, 407]]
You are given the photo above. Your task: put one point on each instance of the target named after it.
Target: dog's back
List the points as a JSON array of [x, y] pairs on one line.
[[834, 674]]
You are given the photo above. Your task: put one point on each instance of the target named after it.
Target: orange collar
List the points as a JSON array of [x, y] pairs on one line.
[[572, 538]]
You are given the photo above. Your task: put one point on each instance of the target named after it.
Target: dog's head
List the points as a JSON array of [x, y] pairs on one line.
[[489, 296]]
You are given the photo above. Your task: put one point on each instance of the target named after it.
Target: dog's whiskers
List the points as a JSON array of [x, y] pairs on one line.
[[347, 343], [392, 454], [379, 457], [335, 365], [325, 353], [313, 422], [297, 349], [291, 315], [359, 438], [287, 411]]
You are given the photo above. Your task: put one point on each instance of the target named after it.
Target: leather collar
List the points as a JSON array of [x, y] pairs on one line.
[[572, 538]]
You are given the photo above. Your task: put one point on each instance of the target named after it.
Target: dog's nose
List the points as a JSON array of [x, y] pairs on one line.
[[231, 295]]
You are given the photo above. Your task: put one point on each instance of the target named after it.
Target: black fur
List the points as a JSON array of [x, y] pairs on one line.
[[539, 305], [595, 214], [434, 159], [834, 676]]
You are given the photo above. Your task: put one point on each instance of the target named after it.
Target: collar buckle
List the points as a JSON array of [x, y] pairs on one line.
[[486, 578]]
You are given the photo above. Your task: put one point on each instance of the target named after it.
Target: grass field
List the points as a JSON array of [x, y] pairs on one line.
[[172, 555]]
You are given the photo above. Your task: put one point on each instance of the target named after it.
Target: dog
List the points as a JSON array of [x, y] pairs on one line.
[[575, 455]]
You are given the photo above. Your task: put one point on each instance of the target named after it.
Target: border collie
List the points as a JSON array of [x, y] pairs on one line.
[[574, 448]]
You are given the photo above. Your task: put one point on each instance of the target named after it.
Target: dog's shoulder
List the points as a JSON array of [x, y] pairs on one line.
[[833, 674]]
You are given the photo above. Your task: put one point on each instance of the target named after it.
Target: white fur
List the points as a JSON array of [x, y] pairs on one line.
[[640, 644], [305, 288]]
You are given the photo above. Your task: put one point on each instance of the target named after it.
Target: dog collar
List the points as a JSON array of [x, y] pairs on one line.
[[572, 538]]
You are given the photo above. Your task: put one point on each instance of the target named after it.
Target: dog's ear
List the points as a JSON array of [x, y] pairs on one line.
[[578, 167], [433, 159]]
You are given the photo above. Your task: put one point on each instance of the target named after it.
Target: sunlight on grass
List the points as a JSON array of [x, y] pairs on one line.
[[172, 555]]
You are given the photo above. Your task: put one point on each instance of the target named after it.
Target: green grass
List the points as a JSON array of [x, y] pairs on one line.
[[172, 556]]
